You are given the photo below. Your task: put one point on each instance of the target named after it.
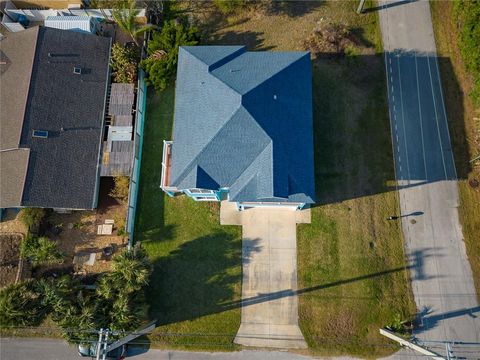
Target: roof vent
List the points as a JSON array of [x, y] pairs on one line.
[[40, 134], [77, 70]]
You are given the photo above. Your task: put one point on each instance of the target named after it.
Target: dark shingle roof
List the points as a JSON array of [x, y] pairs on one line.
[[243, 120], [62, 169]]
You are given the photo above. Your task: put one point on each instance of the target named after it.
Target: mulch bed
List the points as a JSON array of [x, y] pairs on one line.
[[9, 257]]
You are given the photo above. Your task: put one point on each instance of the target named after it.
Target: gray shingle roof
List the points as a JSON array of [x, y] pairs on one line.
[[243, 120], [13, 168], [62, 168], [17, 51]]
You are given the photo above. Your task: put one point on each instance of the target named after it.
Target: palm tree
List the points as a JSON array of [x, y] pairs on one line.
[[126, 20], [130, 270]]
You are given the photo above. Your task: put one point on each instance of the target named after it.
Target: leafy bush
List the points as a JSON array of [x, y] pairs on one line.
[[118, 303], [40, 250], [468, 20], [32, 218], [229, 6], [20, 305], [124, 63], [161, 63], [124, 303], [121, 188], [399, 326]]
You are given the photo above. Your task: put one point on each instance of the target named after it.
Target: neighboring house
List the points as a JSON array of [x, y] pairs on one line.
[[85, 24], [47, 4], [53, 92], [242, 128]]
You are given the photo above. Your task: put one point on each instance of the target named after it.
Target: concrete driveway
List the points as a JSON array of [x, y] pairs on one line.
[[269, 258]]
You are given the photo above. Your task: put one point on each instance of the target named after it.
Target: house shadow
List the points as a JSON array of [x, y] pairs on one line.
[[196, 279], [353, 146]]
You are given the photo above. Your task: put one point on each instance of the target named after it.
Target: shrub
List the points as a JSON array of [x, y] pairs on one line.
[[120, 222], [120, 292], [32, 218], [468, 20], [118, 303], [334, 39], [124, 63], [20, 305], [40, 251], [120, 189], [161, 63], [229, 6]]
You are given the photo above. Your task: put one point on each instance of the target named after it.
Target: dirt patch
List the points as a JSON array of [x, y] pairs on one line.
[[333, 38], [9, 258], [12, 232], [11, 223], [77, 235]]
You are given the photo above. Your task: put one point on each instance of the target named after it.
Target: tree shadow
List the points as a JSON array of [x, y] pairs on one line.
[[356, 146], [292, 8], [389, 5], [196, 279], [253, 40], [359, 36]]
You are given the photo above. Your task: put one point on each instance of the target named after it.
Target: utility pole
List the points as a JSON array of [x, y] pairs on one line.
[[105, 344], [99, 344], [360, 7]]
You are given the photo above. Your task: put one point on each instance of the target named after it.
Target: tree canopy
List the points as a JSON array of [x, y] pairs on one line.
[[161, 63]]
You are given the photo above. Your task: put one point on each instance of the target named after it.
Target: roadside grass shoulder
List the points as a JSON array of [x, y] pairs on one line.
[[351, 258], [457, 84]]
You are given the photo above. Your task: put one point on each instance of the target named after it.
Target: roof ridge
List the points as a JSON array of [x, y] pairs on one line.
[[193, 162], [266, 148], [189, 168]]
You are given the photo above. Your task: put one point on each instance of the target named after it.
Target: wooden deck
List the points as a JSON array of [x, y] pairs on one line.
[[118, 150], [118, 161]]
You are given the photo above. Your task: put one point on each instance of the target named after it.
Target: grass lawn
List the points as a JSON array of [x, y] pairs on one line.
[[350, 259], [349, 251], [461, 114]]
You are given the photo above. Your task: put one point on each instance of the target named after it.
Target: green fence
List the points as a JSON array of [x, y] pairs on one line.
[[138, 142]]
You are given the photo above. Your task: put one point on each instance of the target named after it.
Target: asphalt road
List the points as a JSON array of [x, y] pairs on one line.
[[442, 280], [52, 349]]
